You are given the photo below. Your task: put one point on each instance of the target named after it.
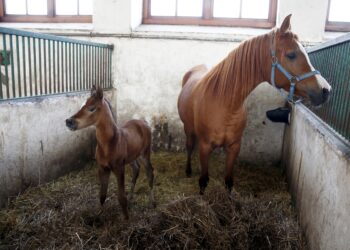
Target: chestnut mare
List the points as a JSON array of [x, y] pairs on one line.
[[211, 105], [115, 146]]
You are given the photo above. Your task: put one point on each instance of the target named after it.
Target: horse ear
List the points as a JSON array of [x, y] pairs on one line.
[[93, 90], [285, 27], [99, 93]]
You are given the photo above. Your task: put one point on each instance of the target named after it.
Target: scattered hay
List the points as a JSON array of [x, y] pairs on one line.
[[65, 214]]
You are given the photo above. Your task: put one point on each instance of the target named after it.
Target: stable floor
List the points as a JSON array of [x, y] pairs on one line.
[[65, 214]]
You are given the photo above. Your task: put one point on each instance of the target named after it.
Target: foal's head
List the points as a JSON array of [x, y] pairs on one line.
[[293, 57], [90, 113]]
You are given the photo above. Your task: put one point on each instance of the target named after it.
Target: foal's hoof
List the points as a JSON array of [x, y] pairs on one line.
[[233, 193], [188, 173], [152, 204]]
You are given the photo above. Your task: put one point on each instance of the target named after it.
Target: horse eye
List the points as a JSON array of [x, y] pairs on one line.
[[291, 55], [91, 109]]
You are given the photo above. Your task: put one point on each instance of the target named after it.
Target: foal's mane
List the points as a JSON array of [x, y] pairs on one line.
[[235, 76], [110, 108]]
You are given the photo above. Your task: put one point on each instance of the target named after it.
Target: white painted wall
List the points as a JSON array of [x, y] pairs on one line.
[[318, 171]]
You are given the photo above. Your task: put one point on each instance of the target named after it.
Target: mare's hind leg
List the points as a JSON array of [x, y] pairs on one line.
[[103, 174], [231, 155], [150, 175], [190, 144], [135, 174], [204, 153]]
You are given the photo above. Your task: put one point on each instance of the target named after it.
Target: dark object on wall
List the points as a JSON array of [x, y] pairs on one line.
[[279, 115]]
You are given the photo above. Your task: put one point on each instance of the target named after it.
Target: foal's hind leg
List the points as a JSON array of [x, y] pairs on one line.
[[204, 154], [150, 175], [135, 174], [231, 156], [190, 144]]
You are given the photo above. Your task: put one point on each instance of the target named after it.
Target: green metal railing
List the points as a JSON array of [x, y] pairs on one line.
[[33, 64], [332, 59]]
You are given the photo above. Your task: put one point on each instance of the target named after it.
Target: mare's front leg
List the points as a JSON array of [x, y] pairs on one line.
[[103, 173], [119, 171], [232, 152], [204, 154]]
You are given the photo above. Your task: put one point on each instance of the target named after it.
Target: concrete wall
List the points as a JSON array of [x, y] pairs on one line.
[[317, 165], [36, 146]]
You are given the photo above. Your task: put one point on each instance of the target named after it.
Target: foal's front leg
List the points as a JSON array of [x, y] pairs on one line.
[[119, 171], [103, 174]]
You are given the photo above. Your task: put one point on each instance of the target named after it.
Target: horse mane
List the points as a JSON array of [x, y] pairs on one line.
[[110, 108], [236, 76]]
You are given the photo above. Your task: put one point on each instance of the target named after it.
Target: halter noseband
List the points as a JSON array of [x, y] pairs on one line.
[[291, 78]]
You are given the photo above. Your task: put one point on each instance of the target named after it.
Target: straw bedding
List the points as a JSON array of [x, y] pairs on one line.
[[65, 214]]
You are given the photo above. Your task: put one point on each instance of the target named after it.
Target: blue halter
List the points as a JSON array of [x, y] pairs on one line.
[[292, 79]]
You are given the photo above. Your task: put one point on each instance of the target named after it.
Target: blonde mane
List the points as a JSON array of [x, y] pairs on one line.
[[238, 74]]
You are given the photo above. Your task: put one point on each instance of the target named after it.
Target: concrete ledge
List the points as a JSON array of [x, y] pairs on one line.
[[317, 164]]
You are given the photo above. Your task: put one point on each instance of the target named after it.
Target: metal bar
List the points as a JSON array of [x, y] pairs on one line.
[[6, 70], [18, 68], [45, 68], [76, 66], [66, 67], [62, 69], [30, 67], [98, 67], [10, 31], [24, 67], [50, 69], [54, 87], [94, 69], [12, 68], [102, 67], [110, 69], [35, 69], [90, 67], [40, 72], [73, 67], [84, 67]]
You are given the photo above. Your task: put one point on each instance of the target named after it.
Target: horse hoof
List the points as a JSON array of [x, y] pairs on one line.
[[189, 173]]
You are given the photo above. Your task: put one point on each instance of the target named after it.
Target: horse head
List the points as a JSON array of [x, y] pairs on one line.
[[295, 72], [89, 113]]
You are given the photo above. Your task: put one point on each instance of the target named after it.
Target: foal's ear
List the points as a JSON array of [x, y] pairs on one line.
[[93, 90], [99, 93], [285, 27]]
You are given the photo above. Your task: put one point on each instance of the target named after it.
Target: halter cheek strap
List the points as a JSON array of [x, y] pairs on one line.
[[291, 78]]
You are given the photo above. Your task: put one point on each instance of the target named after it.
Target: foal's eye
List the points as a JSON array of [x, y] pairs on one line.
[[91, 109], [291, 55]]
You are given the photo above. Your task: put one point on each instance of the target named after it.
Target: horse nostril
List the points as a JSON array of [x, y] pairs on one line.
[[69, 122], [325, 93]]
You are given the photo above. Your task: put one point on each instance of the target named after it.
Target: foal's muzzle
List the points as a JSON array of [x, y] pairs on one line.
[[71, 124]]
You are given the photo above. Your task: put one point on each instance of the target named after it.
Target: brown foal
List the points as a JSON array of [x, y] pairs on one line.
[[116, 147]]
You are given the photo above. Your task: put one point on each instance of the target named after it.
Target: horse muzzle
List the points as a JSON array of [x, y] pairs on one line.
[[71, 124], [321, 97]]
